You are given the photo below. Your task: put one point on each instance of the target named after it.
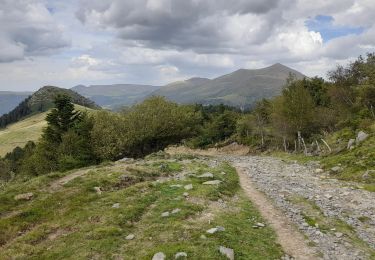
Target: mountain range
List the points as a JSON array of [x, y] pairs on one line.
[[241, 88]]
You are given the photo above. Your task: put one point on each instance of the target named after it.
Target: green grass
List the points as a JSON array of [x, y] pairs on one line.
[[77, 223], [18, 134]]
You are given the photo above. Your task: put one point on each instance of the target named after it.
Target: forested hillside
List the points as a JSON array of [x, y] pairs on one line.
[[41, 101]]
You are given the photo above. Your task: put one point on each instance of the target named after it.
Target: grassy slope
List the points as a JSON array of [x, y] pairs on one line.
[[19, 133], [29, 129], [77, 223]]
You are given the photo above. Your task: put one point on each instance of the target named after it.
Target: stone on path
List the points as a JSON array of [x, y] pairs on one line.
[[339, 234], [186, 194], [180, 255], [228, 252], [215, 182], [24, 196], [336, 169], [130, 237], [188, 187], [159, 256]]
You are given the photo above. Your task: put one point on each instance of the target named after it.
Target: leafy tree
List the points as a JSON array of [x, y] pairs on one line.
[[298, 107]]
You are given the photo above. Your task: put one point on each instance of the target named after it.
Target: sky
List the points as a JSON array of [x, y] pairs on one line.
[[72, 42]]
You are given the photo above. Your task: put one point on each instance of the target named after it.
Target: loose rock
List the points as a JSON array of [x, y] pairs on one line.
[[116, 205], [130, 237], [180, 255], [350, 144], [165, 214], [206, 175], [361, 136], [188, 187], [24, 196], [159, 256], [215, 182], [228, 252]]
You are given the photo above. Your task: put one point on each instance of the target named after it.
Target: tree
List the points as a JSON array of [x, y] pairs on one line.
[[298, 107], [262, 117], [60, 119]]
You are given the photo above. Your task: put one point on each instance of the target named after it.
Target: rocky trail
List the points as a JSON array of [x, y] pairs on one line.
[[337, 218]]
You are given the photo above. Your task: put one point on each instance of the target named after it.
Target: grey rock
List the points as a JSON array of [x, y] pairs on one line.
[[130, 237], [361, 136], [215, 229], [336, 169], [317, 171], [339, 234], [176, 186], [24, 196], [351, 143], [159, 256], [186, 194], [188, 187], [180, 255], [116, 205], [228, 252], [175, 211], [215, 182], [206, 175], [165, 214]]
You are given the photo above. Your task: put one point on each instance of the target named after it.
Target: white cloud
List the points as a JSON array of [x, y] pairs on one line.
[[28, 29], [158, 41]]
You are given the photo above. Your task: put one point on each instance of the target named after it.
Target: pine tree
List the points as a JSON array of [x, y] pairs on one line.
[[62, 118]]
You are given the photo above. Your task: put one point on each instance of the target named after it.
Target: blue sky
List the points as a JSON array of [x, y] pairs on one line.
[[324, 24], [72, 42]]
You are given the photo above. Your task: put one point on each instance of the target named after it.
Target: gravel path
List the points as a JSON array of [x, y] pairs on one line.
[[337, 218]]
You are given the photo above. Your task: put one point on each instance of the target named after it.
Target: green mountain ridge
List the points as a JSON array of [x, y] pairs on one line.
[[41, 101]]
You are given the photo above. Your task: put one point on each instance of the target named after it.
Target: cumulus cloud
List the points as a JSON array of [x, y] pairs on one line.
[[27, 29], [158, 41], [202, 25]]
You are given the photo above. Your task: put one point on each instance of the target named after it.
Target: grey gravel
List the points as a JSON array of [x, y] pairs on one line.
[[280, 180]]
